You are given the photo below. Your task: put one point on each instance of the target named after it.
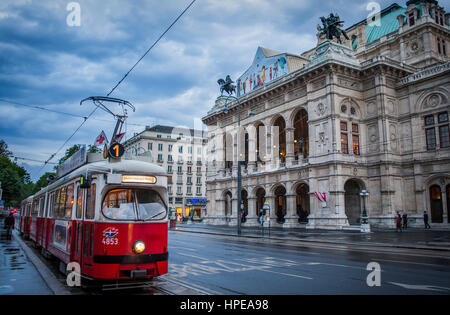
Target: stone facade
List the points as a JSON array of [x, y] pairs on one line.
[[358, 115]]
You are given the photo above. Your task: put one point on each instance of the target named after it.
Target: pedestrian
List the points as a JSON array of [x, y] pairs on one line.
[[399, 222], [9, 224], [405, 220], [261, 220], [425, 220]]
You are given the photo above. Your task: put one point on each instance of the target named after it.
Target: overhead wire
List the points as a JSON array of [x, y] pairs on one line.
[[121, 80]]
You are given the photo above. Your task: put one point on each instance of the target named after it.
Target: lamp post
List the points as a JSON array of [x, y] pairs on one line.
[[365, 226], [239, 160], [239, 210]]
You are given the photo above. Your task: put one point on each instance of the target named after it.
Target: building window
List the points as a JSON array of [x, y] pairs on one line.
[[189, 190], [444, 136], [199, 170], [180, 169], [189, 169], [180, 180], [179, 190], [169, 169], [190, 150], [180, 149], [199, 180], [170, 148], [158, 136], [442, 127], [411, 19], [355, 139], [199, 151], [160, 157], [344, 137], [169, 189], [439, 45], [160, 146], [149, 146], [189, 180], [199, 190], [169, 158], [431, 139]]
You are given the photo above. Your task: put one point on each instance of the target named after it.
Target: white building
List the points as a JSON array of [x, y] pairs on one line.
[[369, 114], [180, 151]]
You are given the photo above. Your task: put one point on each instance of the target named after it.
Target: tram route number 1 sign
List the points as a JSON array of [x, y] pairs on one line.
[[116, 150], [109, 236]]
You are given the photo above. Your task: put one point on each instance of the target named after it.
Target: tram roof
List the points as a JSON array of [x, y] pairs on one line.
[[122, 167]]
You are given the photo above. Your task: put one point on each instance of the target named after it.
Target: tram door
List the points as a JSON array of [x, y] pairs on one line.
[[87, 230], [77, 225]]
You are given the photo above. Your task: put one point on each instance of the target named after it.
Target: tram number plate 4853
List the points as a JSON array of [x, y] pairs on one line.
[[110, 241]]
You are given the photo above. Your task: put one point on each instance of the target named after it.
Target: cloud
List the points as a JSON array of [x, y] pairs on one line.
[[45, 62]]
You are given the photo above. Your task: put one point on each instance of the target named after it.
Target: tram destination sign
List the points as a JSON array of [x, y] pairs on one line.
[[76, 160]]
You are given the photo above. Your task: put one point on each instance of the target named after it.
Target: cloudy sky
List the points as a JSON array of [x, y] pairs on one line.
[[45, 62]]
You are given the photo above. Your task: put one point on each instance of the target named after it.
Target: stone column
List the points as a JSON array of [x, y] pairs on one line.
[[252, 219], [291, 211], [290, 155]]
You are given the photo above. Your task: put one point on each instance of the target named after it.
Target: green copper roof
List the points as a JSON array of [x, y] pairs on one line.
[[388, 24]]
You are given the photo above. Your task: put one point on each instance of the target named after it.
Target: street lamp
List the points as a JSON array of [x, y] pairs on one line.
[[250, 113], [239, 160], [365, 226]]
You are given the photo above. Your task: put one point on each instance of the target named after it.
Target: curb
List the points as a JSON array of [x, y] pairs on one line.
[[377, 245], [44, 271]]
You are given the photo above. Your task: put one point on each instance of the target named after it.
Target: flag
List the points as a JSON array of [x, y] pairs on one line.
[[118, 137], [101, 139], [321, 196]]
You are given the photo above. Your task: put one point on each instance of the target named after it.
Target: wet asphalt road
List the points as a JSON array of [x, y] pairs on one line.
[[226, 265], [17, 274]]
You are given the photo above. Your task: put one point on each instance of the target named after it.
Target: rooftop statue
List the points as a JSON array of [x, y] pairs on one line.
[[226, 85], [332, 27]]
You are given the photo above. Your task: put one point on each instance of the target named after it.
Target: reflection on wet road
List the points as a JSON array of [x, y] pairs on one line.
[[17, 274], [228, 265]]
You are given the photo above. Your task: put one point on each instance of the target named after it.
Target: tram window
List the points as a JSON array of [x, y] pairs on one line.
[[35, 207], [55, 204], [69, 201], [120, 204], [150, 204], [90, 204], [41, 207], [62, 202], [79, 203]]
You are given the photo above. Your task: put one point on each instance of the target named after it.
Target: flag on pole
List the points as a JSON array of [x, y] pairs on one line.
[[118, 137], [101, 139]]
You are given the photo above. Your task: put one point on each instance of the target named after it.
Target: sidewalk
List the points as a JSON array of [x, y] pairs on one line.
[[17, 274], [413, 238]]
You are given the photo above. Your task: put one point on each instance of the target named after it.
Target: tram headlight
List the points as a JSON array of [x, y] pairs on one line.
[[138, 247]]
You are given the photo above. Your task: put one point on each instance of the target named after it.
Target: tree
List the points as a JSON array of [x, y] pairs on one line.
[[93, 149], [42, 182], [4, 150], [15, 182]]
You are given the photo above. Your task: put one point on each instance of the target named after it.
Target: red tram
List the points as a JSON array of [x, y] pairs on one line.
[[114, 225]]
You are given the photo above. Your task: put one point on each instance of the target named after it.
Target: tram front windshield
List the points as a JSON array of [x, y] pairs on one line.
[[133, 205]]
